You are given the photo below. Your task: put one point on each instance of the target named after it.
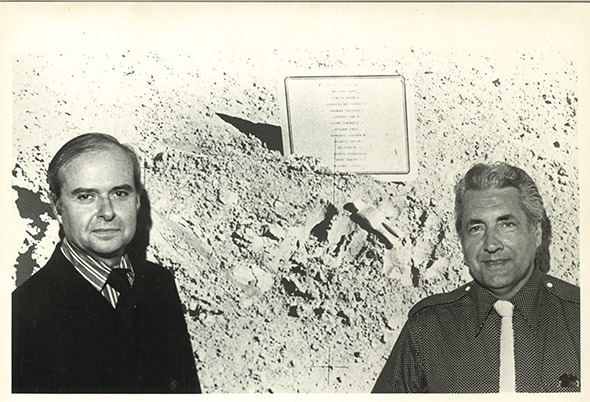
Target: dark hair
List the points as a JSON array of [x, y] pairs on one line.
[[79, 145], [497, 176]]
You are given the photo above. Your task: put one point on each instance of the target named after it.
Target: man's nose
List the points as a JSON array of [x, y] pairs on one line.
[[492, 242], [106, 210]]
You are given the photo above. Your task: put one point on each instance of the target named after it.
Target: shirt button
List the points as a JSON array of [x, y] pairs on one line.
[[549, 285], [467, 288]]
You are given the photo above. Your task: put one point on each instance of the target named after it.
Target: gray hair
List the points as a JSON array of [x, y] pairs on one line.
[[79, 145], [497, 176]]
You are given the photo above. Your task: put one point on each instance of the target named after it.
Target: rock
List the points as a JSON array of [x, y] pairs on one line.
[[243, 274], [275, 232], [227, 197]]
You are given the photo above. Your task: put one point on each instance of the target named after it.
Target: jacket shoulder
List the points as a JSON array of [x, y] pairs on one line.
[[151, 268], [37, 284], [42, 281], [441, 299], [154, 275], [562, 289]]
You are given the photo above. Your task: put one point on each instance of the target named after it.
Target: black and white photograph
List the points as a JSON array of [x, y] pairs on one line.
[[293, 198]]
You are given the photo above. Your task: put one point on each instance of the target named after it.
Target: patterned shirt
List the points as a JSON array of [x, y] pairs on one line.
[[451, 342], [97, 272]]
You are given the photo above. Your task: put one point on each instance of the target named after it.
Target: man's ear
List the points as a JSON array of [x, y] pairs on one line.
[[55, 207], [538, 234], [137, 201]]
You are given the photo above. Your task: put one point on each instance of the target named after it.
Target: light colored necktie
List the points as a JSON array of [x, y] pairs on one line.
[[507, 374]]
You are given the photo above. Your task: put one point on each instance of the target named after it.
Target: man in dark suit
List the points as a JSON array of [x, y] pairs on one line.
[[94, 319]]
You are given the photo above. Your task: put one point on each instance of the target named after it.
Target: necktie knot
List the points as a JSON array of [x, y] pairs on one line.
[[118, 279], [504, 308]]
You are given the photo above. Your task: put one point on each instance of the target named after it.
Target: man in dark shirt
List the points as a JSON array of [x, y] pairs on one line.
[[94, 319], [454, 342]]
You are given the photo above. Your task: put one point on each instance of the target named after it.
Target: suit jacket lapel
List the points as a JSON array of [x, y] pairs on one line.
[[144, 332]]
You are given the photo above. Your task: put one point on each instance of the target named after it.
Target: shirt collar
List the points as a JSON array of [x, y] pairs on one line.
[[525, 301], [94, 271]]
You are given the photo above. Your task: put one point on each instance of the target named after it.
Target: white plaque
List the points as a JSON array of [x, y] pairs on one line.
[[351, 123]]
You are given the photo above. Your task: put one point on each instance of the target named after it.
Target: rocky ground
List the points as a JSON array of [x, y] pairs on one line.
[[283, 290]]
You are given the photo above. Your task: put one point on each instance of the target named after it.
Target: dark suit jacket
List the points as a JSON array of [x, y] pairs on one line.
[[66, 336]]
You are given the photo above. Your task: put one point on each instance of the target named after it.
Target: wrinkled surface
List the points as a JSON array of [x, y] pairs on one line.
[[283, 291]]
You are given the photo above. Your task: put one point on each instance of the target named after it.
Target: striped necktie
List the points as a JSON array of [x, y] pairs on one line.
[[507, 374]]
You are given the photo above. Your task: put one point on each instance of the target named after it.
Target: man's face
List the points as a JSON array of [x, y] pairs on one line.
[[99, 203], [498, 242]]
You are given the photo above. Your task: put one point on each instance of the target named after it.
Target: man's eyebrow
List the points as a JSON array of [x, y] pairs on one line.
[[127, 187], [506, 217], [84, 190], [79, 190], [474, 221]]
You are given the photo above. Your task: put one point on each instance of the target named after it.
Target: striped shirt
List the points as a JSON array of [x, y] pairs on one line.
[[96, 272]]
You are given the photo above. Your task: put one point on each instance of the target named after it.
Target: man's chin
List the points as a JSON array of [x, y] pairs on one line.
[[108, 251], [496, 284]]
